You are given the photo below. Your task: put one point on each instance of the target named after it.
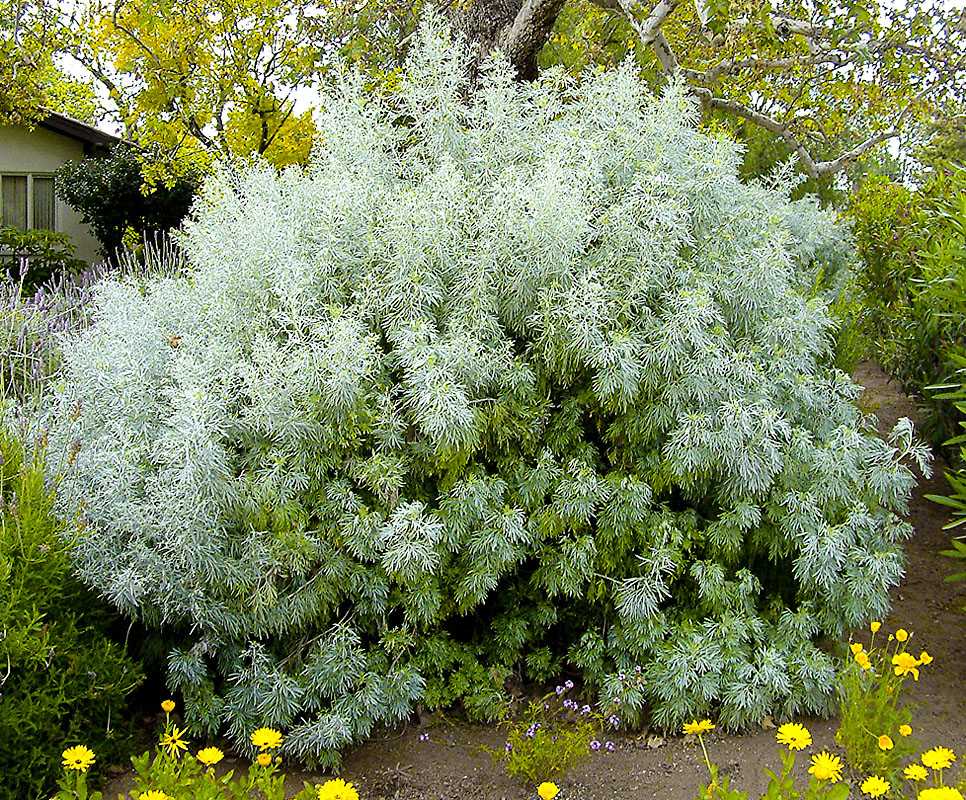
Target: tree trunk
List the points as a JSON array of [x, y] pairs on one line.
[[519, 28]]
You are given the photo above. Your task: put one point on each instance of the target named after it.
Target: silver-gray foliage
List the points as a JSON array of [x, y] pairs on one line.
[[519, 379]]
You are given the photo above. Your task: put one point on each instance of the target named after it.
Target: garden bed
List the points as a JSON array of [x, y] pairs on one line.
[[452, 763]]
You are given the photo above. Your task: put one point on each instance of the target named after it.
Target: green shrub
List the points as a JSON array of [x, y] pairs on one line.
[[912, 244], [33, 257], [62, 679], [526, 377]]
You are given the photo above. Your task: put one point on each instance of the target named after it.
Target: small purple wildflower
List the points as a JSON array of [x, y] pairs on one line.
[[559, 690], [569, 684], [609, 747], [595, 745], [508, 747], [585, 710], [614, 721], [424, 737]]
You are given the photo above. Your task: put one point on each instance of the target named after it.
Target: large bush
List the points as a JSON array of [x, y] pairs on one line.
[[63, 679], [912, 282], [519, 383]]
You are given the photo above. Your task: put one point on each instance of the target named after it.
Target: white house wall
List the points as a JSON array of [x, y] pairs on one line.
[[42, 151]]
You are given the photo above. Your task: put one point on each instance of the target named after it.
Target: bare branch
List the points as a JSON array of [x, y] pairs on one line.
[[651, 26]]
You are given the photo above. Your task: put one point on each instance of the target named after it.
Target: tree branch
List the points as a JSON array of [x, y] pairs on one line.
[[528, 32]]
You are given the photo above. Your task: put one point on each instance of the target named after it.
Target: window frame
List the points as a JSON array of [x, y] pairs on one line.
[[30, 196]]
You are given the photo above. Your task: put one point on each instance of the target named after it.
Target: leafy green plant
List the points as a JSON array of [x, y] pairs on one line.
[[64, 678], [110, 194], [874, 718], [171, 772], [33, 257], [554, 734], [525, 376]]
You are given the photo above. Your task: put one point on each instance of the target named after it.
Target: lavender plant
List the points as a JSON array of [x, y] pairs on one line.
[[507, 379]]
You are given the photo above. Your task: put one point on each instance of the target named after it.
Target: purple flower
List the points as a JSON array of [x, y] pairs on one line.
[[609, 747], [614, 721], [569, 684], [508, 747], [585, 710], [424, 737], [568, 703], [621, 677], [559, 690], [595, 745]]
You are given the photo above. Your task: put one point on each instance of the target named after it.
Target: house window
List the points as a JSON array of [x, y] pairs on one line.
[[28, 201]]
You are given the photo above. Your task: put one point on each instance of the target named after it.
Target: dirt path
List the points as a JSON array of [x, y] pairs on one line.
[[452, 766]]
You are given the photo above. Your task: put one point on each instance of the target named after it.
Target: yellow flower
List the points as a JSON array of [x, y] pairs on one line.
[[905, 664], [901, 635], [905, 730], [267, 739], [915, 772], [79, 758], [210, 756], [863, 661], [692, 728], [167, 706], [337, 789], [941, 793], [264, 759], [856, 648], [548, 791], [826, 767], [938, 758], [886, 743], [174, 741], [153, 794], [793, 736], [874, 626], [874, 786], [925, 658]]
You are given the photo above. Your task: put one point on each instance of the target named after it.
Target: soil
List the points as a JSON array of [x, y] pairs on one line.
[[452, 764]]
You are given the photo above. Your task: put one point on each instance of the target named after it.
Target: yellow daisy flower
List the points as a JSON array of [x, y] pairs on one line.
[[905, 730], [915, 772], [874, 626], [548, 791], [174, 741], [925, 658], [939, 758], [874, 786], [693, 728], [902, 635], [78, 758], [826, 767], [941, 793], [862, 659], [153, 794], [337, 789], [264, 759], [210, 756], [856, 648], [167, 706], [794, 736], [267, 739], [886, 743]]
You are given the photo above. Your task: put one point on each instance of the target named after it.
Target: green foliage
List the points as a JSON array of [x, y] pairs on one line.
[[171, 772], [110, 194], [518, 378], [550, 738], [64, 679], [912, 243], [871, 704], [35, 256]]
